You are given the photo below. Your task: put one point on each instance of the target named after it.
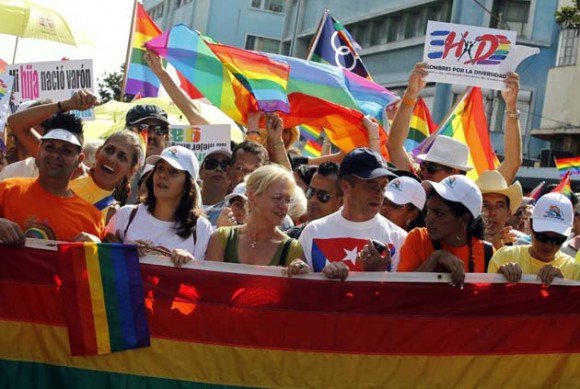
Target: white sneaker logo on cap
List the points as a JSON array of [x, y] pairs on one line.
[[554, 213]]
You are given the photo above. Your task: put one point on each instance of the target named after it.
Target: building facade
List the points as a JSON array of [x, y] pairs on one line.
[[392, 34], [250, 24]]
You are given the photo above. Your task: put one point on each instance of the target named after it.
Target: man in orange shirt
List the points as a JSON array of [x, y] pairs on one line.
[[45, 207]]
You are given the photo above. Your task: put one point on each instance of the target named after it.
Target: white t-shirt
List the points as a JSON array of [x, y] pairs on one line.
[[333, 238], [25, 168], [160, 233]]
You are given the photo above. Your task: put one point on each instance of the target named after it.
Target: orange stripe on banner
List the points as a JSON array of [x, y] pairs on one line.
[[277, 368]]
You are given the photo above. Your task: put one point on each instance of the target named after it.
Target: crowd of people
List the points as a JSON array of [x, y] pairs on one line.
[[262, 203]]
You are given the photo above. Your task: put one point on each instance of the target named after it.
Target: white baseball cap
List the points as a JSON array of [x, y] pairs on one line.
[[239, 191], [459, 189], [449, 152], [404, 190], [180, 158], [553, 212], [218, 150], [62, 134]]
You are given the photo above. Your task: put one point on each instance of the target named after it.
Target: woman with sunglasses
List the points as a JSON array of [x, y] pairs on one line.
[[453, 238], [259, 241], [404, 202], [551, 223], [169, 221], [215, 176]]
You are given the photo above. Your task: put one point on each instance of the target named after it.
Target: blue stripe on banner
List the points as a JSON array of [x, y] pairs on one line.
[[143, 73], [137, 298], [123, 297], [270, 94]]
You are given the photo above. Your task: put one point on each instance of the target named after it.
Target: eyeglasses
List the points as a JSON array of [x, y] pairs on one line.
[[557, 240], [322, 195], [433, 167], [212, 164], [157, 129]]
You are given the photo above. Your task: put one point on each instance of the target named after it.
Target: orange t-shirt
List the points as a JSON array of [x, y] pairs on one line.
[[43, 215], [418, 248]]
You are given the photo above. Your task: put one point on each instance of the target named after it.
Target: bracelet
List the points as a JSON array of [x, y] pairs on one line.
[[60, 109], [275, 145], [513, 115], [408, 102]]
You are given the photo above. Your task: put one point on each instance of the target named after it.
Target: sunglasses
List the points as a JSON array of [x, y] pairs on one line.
[[212, 164], [433, 167], [157, 129], [322, 195], [554, 240]]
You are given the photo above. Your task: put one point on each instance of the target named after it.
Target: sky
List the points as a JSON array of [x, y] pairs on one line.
[[105, 22]]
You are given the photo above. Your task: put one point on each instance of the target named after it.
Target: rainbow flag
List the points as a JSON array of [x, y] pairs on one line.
[[102, 297], [564, 186], [568, 164], [140, 78], [468, 124], [421, 125], [319, 95], [312, 149], [537, 191], [241, 326], [313, 146]]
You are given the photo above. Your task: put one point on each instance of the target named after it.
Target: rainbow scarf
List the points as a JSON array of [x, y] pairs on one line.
[[568, 164], [564, 186], [421, 125], [102, 295], [467, 123]]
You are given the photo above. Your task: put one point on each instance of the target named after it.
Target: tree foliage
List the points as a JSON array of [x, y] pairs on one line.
[[110, 86], [568, 17]]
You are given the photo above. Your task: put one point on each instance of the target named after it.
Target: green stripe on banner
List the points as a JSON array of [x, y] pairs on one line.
[[416, 135], [18, 375], [112, 303]]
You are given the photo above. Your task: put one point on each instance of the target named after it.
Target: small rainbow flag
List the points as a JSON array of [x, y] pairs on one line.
[[467, 123], [421, 125], [568, 164], [312, 149], [537, 191], [564, 185], [102, 295], [313, 135]]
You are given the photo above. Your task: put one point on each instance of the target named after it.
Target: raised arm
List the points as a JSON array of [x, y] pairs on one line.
[[278, 153], [400, 126], [179, 97], [513, 134]]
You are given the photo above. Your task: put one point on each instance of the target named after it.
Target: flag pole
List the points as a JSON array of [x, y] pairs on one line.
[[316, 38], [128, 55]]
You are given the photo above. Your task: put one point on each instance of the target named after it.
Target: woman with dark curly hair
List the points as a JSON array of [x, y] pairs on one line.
[[169, 221]]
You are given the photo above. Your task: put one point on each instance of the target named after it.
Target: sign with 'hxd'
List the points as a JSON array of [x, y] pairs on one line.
[[474, 56]]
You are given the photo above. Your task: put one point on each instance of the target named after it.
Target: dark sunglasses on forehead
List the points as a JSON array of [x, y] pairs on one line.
[[322, 195], [433, 167], [557, 240], [212, 164], [157, 129]]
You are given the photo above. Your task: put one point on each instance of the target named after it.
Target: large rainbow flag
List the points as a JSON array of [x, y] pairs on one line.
[[564, 164], [468, 124], [102, 296], [421, 125], [240, 326], [320, 95]]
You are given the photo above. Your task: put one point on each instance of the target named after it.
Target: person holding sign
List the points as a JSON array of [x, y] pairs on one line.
[[436, 169]]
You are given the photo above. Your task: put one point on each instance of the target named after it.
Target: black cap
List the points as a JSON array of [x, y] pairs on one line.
[[141, 112], [364, 163]]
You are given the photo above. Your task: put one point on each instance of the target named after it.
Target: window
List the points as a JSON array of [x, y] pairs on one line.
[[379, 32], [269, 5], [156, 12], [396, 28], [510, 15], [259, 43], [568, 47]]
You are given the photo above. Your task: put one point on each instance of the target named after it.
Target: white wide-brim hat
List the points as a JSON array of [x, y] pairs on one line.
[[449, 152]]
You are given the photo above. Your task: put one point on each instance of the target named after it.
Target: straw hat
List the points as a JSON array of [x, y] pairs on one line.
[[491, 181]]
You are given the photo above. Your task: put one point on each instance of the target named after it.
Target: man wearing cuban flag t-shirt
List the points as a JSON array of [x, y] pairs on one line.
[[342, 239]]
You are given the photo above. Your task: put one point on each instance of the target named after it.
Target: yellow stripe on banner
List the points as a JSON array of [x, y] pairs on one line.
[[97, 299], [254, 75], [140, 39], [31, 342]]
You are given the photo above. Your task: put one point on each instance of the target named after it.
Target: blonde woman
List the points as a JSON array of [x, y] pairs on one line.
[[269, 190]]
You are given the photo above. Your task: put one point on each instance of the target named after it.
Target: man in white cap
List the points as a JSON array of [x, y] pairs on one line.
[[551, 224], [215, 175], [446, 158], [500, 202], [45, 207]]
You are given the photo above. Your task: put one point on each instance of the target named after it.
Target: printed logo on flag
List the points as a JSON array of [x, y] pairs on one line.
[[485, 49], [554, 213]]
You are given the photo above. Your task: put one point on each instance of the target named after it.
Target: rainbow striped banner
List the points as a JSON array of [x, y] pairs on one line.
[[313, 146], [565, 164], [421, 125], [247, 326], [102, 296], [467, 123]]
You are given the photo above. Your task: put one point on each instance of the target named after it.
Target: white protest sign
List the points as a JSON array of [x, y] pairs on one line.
[[6, 82], [474, 56], [56, 80], [200, 139]]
